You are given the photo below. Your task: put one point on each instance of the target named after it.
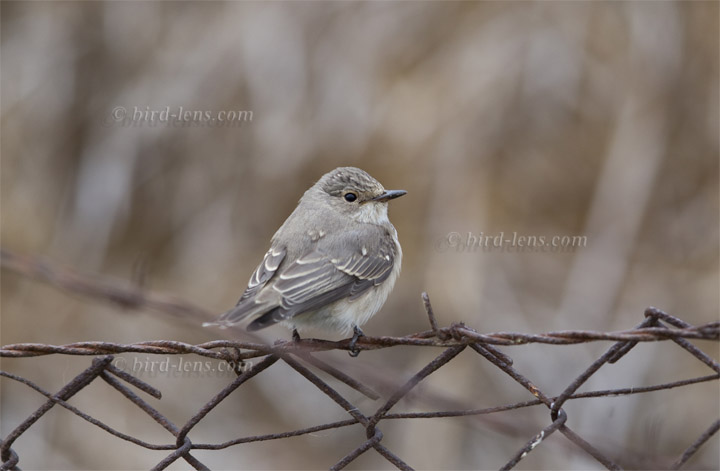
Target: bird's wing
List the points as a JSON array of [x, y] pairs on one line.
[[260, 277], [317, 278], [264, 272]]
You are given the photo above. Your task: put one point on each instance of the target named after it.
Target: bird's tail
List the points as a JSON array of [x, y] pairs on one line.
[[240, 312]]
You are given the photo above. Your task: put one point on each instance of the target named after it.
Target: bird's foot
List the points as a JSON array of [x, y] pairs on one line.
[[295, 336], [357, 333]]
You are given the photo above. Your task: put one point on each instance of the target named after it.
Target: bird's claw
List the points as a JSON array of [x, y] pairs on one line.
[[357, 333]]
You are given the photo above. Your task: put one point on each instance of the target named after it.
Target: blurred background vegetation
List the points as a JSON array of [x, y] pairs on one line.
[[597, 119]]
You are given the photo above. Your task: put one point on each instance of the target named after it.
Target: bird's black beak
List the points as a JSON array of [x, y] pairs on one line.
[[389, 195]]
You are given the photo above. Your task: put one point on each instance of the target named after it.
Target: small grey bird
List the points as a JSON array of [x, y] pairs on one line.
[[333, 262]]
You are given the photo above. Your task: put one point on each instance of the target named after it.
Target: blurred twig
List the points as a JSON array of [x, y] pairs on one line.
[[100, 287]]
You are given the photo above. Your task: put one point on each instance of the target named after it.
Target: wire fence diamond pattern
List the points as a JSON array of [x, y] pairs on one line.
[[657, 326]]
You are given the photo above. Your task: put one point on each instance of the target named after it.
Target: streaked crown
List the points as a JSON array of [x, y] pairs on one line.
[[344, 179]]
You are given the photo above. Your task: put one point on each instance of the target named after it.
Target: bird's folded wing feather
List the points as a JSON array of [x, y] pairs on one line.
[[317, 278], [264, 272], [260, 277], [313, 280]]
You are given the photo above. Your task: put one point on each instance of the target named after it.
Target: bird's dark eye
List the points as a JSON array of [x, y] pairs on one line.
[[350, 197]]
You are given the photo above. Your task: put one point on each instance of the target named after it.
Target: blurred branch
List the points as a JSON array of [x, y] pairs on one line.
[[103, 288]]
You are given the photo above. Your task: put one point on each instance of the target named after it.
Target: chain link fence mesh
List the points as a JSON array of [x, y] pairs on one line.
[[657, 326]]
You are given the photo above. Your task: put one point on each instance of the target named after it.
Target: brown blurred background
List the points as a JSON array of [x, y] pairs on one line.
[[597, 119]]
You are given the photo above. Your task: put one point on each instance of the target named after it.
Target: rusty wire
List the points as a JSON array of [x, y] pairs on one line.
[[453, 336], [657, 326]]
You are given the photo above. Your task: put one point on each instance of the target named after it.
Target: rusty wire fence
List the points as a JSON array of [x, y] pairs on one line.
[[657, 326]]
